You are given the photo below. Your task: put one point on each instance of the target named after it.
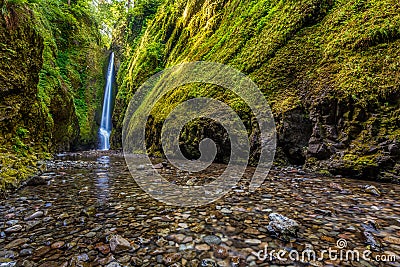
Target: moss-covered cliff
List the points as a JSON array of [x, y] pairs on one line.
[[50, 82], [329, 69]]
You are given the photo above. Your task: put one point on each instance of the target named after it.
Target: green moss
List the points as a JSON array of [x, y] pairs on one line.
[[300, 54], [360, 163], [16, 168], [73, 64], [51, 76]]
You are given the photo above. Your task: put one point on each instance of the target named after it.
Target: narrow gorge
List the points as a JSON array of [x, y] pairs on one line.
[[86, 175]]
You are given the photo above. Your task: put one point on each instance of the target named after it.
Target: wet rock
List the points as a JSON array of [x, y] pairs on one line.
[[158, 166], [220, 252], [49, 264], [372, 241], [119, 244], [282, 226], [178, 238], [113, 264], [41, 251], [13, 229], [252, 241], [124, 259], [225, 210], [372, 190], [251, 231], [88, 211], [103, 248], [171, 258], [82, 257], [106, 260], [12, 222], [8, 264], [145, 221], [25, 252], [323, 212], [90, 234], [16, 243], [202, 247], [212, 240], [8, 254], [63, 216], [36, 181], [34, 215], [32, 224], [27, 263], [161, 242], [335, 186], [371, 227], [57, 245], [140, 167], [392, 240], [183, 225], [208, 263]]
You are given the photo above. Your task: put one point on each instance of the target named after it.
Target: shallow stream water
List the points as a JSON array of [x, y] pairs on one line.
[[91, 198]]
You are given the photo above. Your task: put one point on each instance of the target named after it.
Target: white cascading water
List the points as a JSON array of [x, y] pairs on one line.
[[105, 125]]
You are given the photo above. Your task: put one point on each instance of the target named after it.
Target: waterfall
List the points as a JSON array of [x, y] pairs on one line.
[[105, 125]]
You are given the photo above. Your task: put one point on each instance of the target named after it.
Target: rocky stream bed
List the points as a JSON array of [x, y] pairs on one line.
[[87, 210]]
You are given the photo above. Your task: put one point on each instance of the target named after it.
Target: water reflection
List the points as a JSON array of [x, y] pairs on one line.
[[102, 180]]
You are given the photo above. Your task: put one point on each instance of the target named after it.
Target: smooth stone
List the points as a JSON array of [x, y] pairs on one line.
[[16, 243], [372, 190], [13, 229], [35, 215], [178, 238], [202, 247], [124, 259], [225, 210], [90, 234], [103, 248], [183, 225], [113, 264], [8, 264], [106, 260], [119, 244], [7, 254], [392, 240], [12, 222], [41, 251], [253, 241], [57, 245], [171, 258], [208, 263], [25, 252], [220, 252], [140, 167], [212, 240]]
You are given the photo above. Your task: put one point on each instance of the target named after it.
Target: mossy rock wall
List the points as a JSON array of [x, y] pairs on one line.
[[51, 82], [329, 69]]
